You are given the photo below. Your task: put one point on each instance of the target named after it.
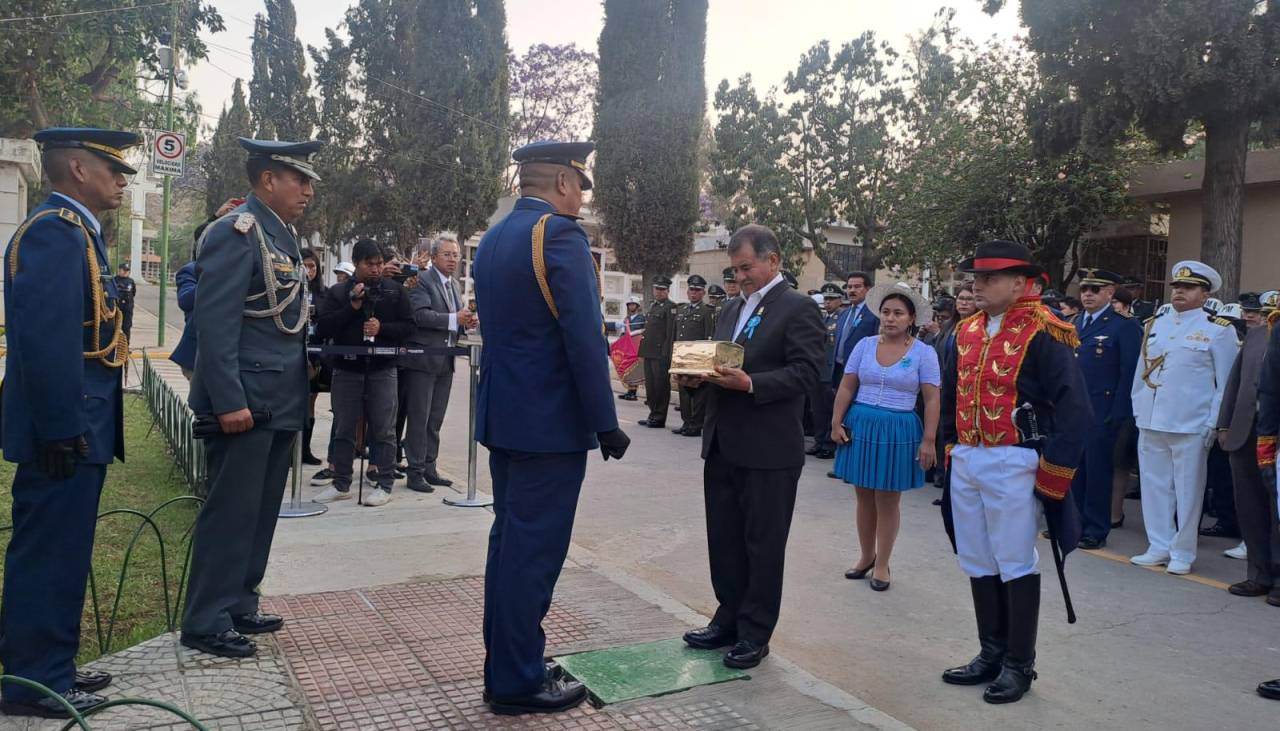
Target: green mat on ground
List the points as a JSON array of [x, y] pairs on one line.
[[647, 669]]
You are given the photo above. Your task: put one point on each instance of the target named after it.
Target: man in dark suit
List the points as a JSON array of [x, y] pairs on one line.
[[1107, 355], [1255, 496], [544, 403], [856, 322], [439, 319], [753, 446]]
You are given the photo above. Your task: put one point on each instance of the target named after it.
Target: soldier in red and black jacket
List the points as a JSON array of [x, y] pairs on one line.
[[1015, 417]]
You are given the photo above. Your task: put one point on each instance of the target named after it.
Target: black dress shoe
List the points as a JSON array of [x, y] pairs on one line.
[[691, 433], [825, 454], [419, 485], [225, 644], [1270, 689], [832, 474], [1249, 588], [433, 478], [628, 396], [1010, 685], [651, 423], [812, 450], [1218, 530], [311, 459], [937, 501], [710, 637], [1134, 494], [91, 681], [1089, 543], [1274, 598], [257, 623], [1118, 523], [746, 654], [678, 431], [51, 708], [878, 585], [555, 696]]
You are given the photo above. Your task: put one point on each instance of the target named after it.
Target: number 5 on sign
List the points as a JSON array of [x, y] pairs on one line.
[[168, 153]]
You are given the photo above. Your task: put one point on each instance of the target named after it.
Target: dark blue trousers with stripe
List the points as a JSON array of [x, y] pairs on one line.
[[45, 572], [535, 497]]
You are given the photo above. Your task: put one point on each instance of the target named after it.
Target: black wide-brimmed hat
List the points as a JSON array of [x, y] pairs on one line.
[[1001, 256]]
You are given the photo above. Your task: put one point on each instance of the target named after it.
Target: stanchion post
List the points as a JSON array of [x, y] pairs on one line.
[[296, 508], [471, 501]]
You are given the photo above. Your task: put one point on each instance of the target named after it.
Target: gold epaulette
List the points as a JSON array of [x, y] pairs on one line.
[[1220, 321], [1273, 317], [69, 216], [1060, 330]]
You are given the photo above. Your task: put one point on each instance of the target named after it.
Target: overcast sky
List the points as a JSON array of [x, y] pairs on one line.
[[762, 37]]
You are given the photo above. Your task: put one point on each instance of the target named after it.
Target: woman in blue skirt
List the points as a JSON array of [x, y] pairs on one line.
[[884, 450]]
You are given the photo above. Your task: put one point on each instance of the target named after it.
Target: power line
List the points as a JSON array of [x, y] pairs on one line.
[[84, 12], [441, 106]]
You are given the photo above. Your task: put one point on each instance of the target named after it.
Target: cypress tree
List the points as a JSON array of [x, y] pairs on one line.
[[223, 162], [434, 111], [649, 120], [280, 92]]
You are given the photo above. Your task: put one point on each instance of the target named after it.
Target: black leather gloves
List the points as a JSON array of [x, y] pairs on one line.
[[58, 458], [613, 443]]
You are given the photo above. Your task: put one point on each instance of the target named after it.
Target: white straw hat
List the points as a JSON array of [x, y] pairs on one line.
[[924, 312]]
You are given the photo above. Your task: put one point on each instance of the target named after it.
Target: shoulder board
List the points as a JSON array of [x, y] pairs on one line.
[[70, 216], [1058, 329], [1151, 319], [244, 223], [1220, 321]]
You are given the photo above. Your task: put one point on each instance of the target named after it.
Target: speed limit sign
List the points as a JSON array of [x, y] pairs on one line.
[[168, 153]]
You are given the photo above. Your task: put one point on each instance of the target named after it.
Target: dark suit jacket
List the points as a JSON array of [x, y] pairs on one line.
[[185, 353], [765, 430], [1240, 400], [869, 324]]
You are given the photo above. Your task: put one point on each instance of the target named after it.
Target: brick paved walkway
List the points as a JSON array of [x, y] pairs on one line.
[[409, 656]]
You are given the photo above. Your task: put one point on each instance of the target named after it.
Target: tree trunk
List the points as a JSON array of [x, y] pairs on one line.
[[1222, 198]]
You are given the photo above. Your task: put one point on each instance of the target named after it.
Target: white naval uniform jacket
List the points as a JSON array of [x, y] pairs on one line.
[[1198, 350]]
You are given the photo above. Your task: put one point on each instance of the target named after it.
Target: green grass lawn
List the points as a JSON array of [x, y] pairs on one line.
[[142, 483]]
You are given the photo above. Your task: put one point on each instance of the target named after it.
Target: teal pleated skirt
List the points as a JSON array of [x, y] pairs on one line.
[[881, 453]]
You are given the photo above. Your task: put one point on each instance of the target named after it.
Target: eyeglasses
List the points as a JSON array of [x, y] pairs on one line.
[[1090, 288]]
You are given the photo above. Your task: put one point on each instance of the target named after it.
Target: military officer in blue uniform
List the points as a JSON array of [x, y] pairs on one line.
[[545, 363], [251, 376], [1107, 355], [62, 421]]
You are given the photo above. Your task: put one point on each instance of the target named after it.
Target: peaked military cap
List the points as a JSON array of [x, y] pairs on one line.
[[1099, 277], [1270, 299], [716, 290], [831, 290], [1000, 256], [696, 281], [107, 143], [662, 282], [730, 275], [1250, 301], [296, 155], [791, 280], [1190, 271], [569, 154]]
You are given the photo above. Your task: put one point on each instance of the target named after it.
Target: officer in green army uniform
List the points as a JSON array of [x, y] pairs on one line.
[[731, 288], [695, 320], [716, 295], [655, 349]]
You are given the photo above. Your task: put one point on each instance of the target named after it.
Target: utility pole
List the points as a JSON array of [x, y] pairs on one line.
[[168, 179]]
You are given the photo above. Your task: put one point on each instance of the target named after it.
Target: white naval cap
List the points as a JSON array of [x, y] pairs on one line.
[[1190, 271], [1270, 299]]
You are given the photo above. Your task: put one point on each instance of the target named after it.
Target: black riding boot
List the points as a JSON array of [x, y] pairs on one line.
[[307, 456], [991, 609], [1020, 655]]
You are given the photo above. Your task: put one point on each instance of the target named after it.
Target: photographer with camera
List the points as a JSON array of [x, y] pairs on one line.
[[366, 310]]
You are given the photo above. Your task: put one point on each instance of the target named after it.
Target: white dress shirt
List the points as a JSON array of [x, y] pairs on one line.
[[752, 303]]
